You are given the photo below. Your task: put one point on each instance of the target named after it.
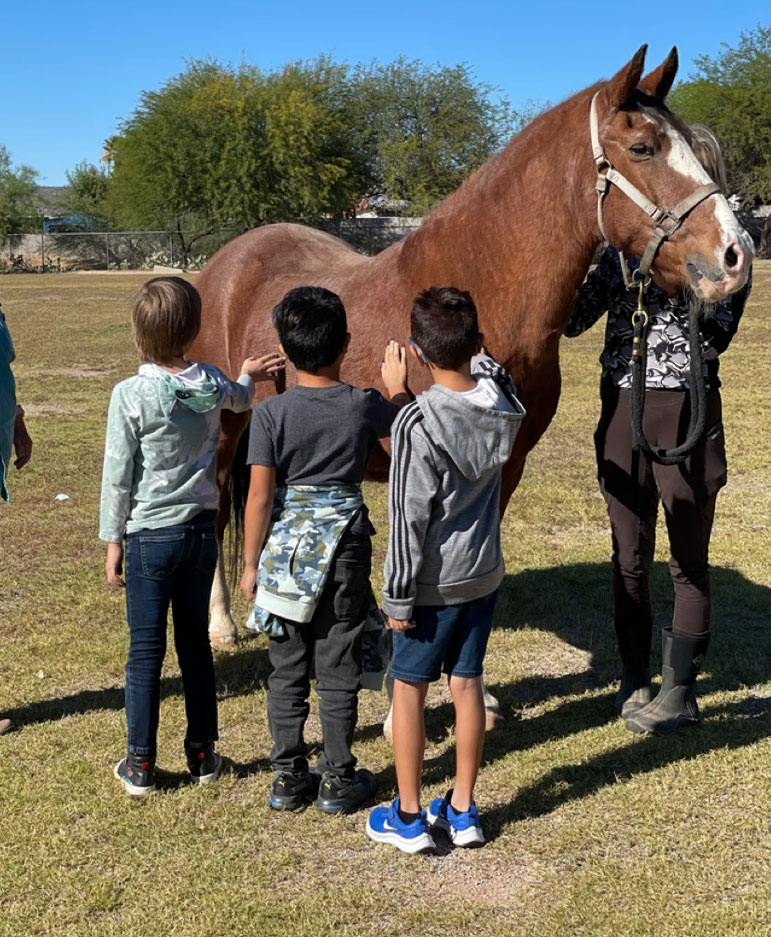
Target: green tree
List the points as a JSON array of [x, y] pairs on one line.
[[234, 147], [731, 94], [426, 127], [87, 190], [18, 212]]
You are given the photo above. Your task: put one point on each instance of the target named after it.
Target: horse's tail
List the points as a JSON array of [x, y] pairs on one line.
[[238, 490]]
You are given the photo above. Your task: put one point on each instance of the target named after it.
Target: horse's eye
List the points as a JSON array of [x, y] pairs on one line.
[[641, 149]]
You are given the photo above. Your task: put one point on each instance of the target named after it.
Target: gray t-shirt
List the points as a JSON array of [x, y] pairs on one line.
[[319, 435]]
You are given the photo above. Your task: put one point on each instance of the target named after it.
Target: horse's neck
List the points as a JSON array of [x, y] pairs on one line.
[[519, 235]]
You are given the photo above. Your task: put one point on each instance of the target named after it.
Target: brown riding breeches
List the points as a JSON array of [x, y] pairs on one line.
[[633, 485]]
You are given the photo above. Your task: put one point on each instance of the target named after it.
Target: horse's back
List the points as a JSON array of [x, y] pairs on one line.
[[244, 280]]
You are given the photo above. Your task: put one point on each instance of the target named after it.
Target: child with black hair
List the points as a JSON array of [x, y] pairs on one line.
[[444, 561], [308, 450]]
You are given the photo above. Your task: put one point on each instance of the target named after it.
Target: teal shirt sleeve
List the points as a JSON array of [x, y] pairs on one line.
[[236, 395], [120, 448]]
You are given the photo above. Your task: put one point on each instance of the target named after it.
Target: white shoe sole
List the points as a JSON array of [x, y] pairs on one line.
[[132, 789], [423, 843], [473, 836], [208, 778]]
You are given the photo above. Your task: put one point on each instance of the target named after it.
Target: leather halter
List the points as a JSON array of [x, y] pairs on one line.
[[665, 221]]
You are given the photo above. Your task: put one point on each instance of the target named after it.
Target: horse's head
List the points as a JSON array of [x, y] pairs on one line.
[[645, 143]]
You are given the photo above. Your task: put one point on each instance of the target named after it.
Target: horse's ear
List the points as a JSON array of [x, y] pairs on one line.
[[659, 82], [623, 83]]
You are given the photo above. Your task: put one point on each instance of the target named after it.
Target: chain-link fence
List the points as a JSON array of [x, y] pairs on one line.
[[142, 250]]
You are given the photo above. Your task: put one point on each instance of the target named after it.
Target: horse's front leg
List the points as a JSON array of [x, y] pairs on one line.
[[222, 629]]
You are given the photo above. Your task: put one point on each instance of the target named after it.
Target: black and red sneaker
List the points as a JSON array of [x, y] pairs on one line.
[[137, 774], [204, 763]]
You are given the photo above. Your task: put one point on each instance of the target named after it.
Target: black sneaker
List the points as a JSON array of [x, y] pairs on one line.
[[345, 795], [137, 774], [205, 764], [293, 791]]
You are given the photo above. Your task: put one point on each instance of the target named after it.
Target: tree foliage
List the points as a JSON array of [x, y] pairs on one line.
[[731, 94], [225, 147], [219, 146], [18, 212], [87, 190], [427, 127]]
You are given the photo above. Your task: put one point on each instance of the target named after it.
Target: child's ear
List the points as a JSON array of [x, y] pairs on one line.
[[481, 342], [418, 355], [347, 342]]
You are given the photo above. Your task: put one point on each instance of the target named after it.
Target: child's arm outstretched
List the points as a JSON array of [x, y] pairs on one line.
[[393, 370], [117, 477], [259, 505], [238, 395], [413, 484]]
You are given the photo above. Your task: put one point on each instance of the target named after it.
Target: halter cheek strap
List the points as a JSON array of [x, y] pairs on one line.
[[665, 222]]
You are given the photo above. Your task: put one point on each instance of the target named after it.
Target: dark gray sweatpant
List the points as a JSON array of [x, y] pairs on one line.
[[332, 644], [632, 486]]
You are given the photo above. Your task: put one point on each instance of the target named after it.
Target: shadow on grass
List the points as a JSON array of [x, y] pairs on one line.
[[238, 674], [573, 603]]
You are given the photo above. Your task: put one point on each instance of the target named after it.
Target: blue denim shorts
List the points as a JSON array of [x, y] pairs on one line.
[[449, 638]]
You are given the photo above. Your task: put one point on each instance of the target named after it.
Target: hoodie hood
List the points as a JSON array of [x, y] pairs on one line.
[[192, 388], [476, 438]]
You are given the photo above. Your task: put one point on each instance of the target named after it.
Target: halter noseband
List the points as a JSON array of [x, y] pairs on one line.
[[665, 221]]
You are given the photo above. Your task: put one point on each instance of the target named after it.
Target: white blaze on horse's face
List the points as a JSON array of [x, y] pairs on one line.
[[733, 254]]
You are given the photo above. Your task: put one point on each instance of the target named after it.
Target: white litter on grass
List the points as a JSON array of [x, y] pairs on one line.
[[62, 498], [40, 674]]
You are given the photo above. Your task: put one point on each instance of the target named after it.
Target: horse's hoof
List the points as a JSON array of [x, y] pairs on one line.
[[493, 719], [223, 642]]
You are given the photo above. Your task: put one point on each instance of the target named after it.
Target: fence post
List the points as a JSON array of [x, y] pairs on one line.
[[171, 249], [107, 249], [43, 250]]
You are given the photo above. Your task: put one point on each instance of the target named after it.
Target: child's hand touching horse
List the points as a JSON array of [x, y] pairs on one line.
[[264, 368]]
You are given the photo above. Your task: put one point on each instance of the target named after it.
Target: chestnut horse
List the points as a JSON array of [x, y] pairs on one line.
[[519, 235]]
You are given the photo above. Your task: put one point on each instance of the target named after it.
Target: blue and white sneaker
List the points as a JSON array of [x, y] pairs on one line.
[[384, 826], [464, 829]]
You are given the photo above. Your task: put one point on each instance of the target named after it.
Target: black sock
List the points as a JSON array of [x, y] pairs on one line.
[[407, 817]]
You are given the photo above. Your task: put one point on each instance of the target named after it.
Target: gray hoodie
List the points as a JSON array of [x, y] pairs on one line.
[[444, 501]]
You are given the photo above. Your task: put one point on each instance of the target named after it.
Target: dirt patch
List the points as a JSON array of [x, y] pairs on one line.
[[82, 371], [51, 409]]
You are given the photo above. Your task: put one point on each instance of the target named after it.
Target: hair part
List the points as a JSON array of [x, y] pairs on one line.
[[312, 327], [166, 317], [444, 324]]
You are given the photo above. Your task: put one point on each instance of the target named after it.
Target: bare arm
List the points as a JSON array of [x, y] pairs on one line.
[[259, 505]]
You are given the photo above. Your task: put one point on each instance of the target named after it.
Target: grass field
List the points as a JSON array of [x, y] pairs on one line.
[[593, 831]]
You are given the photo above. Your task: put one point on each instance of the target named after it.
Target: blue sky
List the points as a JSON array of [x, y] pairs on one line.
[[70, 72]]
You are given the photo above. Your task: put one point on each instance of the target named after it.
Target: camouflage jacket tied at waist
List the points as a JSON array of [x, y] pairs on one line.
[[306, 526]]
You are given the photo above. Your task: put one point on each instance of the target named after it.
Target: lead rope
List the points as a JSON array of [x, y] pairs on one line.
[[698, 389]]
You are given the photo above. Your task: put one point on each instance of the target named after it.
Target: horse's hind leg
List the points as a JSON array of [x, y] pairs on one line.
[[222, 629]]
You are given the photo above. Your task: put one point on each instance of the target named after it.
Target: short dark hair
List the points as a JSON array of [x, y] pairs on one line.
[[311, 326], [166, 316], [444, 324]]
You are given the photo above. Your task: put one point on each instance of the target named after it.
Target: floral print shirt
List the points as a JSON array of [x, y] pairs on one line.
[[669, 356]]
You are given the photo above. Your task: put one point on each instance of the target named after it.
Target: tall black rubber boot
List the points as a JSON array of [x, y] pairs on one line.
[[675, 705], [634, 645]]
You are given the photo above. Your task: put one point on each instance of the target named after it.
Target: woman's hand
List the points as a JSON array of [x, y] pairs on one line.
[[114, 566], [264, 368], [22, 443], [249, 583], [394, 369]]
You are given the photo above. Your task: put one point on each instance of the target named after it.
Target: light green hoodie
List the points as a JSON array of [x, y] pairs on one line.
[[161, 449]]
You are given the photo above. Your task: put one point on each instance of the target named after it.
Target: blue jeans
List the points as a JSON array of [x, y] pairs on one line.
[[170, 565], [449, 638]]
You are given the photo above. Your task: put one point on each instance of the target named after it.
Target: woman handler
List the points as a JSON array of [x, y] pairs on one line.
[[632, 484]]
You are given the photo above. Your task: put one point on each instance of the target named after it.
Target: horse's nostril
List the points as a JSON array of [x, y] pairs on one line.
[[731, 258]]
